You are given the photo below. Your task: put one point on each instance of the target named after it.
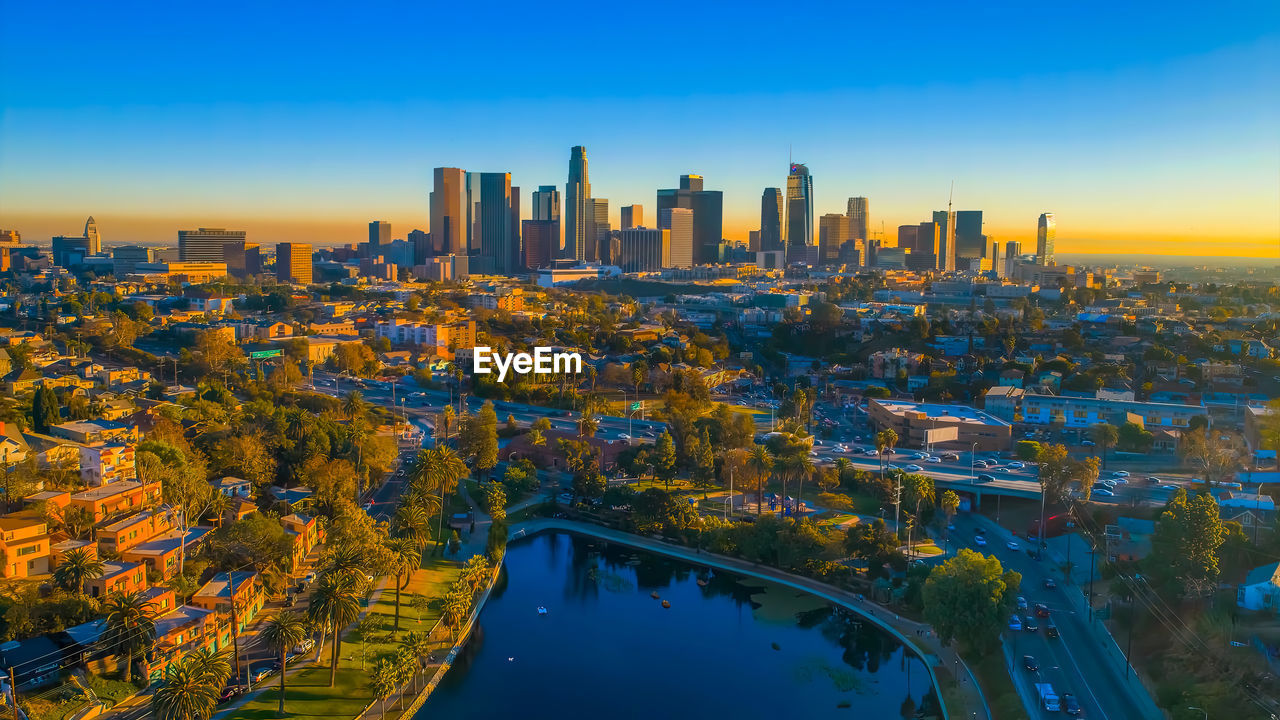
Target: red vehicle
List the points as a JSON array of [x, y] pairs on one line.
[[1055, 524]]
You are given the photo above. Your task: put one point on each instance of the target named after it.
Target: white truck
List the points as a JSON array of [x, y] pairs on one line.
[[1048, 697]]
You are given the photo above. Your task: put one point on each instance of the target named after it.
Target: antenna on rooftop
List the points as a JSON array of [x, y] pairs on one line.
[[950, 194]]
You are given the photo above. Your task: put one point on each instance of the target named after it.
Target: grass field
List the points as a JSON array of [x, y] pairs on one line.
[[307, 691]]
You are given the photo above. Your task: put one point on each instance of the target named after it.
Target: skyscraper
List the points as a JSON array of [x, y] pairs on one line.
[[799, 207], [907, 235], [1012, 252], [643, 249], [859, 218], [833, 233], [771, 220], [91, 234], [379, 235], [448, 213], [206, 244], [632, 216], [541, 239], [597, 232], [293, 263], [496, 233], [680, 222], [708, 224], [970, 243], [692, 183], [946, 222], [1046, 232], [421, 242], [513, 247], [546, 206], [576, 192]]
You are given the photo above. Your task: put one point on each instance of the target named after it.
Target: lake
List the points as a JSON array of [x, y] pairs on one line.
[[732, 647]]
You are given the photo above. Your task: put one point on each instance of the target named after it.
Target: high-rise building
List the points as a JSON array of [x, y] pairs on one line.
[[449, 215], [753, 241], [632, 216], [496, 233], [946, 222], [597, 232], [541, 240], [243, 259], [546, 206], [10, 237], [514, 259], [799, 207], [643, 249], [576, 192], [379, 235], [1046, 232], [206, 244], [293, 263], [125, 259], [69, 250], [833, 233], [907, 235], [91, 234], [421, 242], [771, 220], [859, 218], [692, 183], [708, 223], [680, 222], [471, 199], [970, 242]]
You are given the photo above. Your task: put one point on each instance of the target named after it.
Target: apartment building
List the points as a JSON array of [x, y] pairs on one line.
[[24, 544], [243, 588], [121, 535], [117, 577], [123, 496], [108, 463], [1077, 412]]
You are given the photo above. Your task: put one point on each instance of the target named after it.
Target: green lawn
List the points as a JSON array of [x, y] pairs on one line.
[[307, 691], [997, 686]]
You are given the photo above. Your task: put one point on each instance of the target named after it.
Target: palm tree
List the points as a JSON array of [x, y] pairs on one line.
[[382, 680], [185, 693], [353, 405], [76, 567], [405, 558], [282, 632], [131, 626], [804, 468], [761, 462], [439, 468], [413, 521], [215, 664], [587, 426], [335, 601], [419, 646]]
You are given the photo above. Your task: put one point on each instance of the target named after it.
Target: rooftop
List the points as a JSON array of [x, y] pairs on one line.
[[939, 411]]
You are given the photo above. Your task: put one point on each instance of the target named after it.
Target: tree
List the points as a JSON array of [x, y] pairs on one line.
[[478, 438], [383, 679], [760, 463], [950, 506], [1132, 437], [1214, 455], [76, 567], [873, 543], [282, 633], [1106, 436], [437, 470], [1184, 546], [587, 426], [969, 598], [44, 410], [335, 601], [130, 626], [918, 490], [186, 692], [257, 540], [1027, 450], [418, 646], [405, 558], [354, 405], [664, 458]]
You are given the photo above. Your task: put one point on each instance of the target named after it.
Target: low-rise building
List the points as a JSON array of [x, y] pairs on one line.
[[89, 432], [162, 553], [926, 425], [125, 495], [121, 535], [218, 595], [117, 577], [24, 544], [103, 464]]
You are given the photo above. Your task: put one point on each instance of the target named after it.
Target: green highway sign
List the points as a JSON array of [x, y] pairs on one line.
[[636, 405], [259, 354]]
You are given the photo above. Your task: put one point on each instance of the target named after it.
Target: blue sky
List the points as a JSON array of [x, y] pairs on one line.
[[1150, 125]]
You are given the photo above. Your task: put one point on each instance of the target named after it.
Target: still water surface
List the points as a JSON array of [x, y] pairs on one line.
[[732, 648]]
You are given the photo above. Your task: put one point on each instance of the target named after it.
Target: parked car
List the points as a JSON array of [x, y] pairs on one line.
[[1029, 662], [1104, 493], [1087, 443], [303, 647], [262, 673]]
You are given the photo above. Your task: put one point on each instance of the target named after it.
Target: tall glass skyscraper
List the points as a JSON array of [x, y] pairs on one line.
[[576, 192], [1046, 232], [799, 207], [771, 220], [497, 234], [448, 213], [859, 218]]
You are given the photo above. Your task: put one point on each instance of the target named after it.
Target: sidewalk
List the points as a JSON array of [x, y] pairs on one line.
[[918, 636]]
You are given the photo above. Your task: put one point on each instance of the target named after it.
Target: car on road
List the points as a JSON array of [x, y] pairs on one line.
[[305, 646], [1029, 662], [1022, 603], [1120, 474], [1050, 628], [229, 692], [1070, 705], [1050, 583], [1041, 610], [933, 459], [985, 478], [1087, 443], [950, 457], [262, 673], [981, 463], [368, 507], [1154, 480], [1017, 464], [1012, 545], [1104, 492], [1029, 624], [623, 436], [1015, 623], [913, 468], [1168, 487], [979, 541]]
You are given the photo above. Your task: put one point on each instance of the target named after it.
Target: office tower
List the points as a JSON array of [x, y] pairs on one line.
[[91, 234], [833, 233], [69, 250], [243, 259], [692, 183], [1046, 232], [680, 222], [799, 207], [125, 259], [1012, 252], [514, 260], [379, 235], [293, 263], [970, 243], [10, 237], [998, 264], [708, 223], [597, 230], [205, 244], [541, 240], [448, 212], [907, 235], [546, 206], [859, 218], [946, 222], [421, 242], [632, 216], [771, 220], [753, 241], [471, 198], [496, 234], [576, 192], [643, 249]]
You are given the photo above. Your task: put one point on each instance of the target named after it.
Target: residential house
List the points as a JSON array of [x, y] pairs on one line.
[[88, 432], [24, 544], [1260, 590], [163, 554], [121, 535], [233, 487], [218, 594], [1253, 511], [117, 576], [102, 464], [125, 495]]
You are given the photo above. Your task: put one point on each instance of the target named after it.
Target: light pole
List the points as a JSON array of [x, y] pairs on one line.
[[1206, 712], [973, 473]]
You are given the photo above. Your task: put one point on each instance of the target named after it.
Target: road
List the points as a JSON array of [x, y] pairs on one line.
[[1077, 662]]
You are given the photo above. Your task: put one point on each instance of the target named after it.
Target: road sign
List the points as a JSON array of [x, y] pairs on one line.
[[636, 405], [260, 354]]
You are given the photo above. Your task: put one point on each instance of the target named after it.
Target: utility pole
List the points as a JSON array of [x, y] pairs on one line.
[[13, 693], [235, 630]]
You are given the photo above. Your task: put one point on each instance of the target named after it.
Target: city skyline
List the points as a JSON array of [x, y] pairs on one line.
[[1088, 122]]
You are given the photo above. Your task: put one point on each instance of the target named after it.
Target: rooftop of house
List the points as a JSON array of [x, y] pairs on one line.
[[170, 541], [106, 491], [1263, 574], [218, 587]]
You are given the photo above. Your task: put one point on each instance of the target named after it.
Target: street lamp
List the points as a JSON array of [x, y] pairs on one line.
[[1206, 712], [973, 473]]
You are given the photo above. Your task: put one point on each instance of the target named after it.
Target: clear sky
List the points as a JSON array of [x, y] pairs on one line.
[[1146, 127]]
